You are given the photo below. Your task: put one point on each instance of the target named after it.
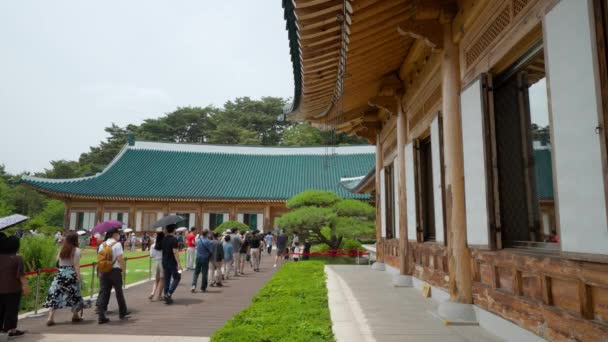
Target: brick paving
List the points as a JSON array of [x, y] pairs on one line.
[[191, 314]]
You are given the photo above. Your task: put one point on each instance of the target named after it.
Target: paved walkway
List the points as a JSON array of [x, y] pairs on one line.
[[366, 307], [192, 314]]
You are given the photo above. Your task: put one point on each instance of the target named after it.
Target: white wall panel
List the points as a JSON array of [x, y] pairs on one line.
[[226, 217], [260, 222], [474, 165], [125, 219], [138, 219], [240, 217], [438, 188], [191, 220], [575, 105], [383, 203], [73, 218], [106, 216], [206, 221], [410, 191]]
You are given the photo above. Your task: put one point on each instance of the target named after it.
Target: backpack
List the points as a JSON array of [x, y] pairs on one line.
[[105, 259]]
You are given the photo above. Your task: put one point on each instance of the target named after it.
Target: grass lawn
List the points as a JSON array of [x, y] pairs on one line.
[[292, 306]]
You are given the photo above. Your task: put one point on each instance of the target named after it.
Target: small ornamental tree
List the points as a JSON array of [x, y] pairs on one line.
[[325, 217], [229, 225]]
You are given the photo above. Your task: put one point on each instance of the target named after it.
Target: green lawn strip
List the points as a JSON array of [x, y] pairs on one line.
[[292, 306]]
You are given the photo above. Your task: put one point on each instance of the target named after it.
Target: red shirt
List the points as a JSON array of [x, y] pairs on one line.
[[190, 239]]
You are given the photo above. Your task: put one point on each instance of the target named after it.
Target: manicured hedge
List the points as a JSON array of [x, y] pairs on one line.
[[292, 306]]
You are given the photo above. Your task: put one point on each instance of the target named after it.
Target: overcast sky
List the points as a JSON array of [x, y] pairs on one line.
[[70, 68]]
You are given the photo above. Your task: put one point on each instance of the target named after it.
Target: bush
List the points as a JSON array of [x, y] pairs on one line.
[[292, 306], [231, 224], [319, 248], [38, 252], [351, 244]]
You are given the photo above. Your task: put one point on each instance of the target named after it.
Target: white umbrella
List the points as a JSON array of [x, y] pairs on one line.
[[128, 230], [159, 229], [181, 229], [81, 232]]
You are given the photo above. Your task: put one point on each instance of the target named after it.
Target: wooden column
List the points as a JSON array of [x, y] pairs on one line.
[[233, 213], [66, 214], [404, 259], [267, 222], [459, 260], [379, 164], [99, 213], [132, 217]]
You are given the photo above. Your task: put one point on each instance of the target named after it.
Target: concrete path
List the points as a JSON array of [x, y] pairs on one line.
[[365, 306], [192, 314]]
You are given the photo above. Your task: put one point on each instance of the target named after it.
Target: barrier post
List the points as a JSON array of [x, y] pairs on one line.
[[93, 274], [37, 297], [124, 275], [358, 253]]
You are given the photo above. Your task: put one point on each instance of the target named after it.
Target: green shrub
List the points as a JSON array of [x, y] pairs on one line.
[[292, 306], [38, 251], [319, 248], [231, 224], [351, 244]]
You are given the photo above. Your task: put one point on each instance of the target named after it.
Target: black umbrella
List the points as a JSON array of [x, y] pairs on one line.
[[167, 220], [12, 220]]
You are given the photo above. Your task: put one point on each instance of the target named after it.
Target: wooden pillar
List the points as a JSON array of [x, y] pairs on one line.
[[99, 213], [66, 214], [132, 217], [199, 219], [459, 260], [404, 259], [233, 213], [379, 165], [267, 222]]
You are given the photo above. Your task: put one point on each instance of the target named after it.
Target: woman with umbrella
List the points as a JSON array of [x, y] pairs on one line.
[[65, 289]]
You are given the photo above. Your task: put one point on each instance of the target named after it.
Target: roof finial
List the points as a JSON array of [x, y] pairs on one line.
[[131, 138]]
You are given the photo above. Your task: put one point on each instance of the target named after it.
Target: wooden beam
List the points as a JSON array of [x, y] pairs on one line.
[[379, 166], [388, 103], [405, 263], [430, 32]]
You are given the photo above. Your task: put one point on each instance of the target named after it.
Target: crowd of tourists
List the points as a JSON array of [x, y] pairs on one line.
[[211, 256]]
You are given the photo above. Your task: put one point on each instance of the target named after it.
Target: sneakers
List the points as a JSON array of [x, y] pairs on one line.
[[16, 333], [126, 315], [103, 320], [168, 300], [193, 289], [274, 266]]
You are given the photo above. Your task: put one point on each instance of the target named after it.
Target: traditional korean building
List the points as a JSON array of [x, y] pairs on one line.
[[206, 184], [491, 150]]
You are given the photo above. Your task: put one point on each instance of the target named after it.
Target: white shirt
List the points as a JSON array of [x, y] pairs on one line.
[[156, 254], [296, 252], [116, 250]]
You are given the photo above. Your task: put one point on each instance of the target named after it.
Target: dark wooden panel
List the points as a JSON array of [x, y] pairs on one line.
[[531, 286], [505, 279]]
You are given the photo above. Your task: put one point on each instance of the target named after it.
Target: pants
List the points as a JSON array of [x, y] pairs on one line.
[[227, 268], [215, 271], [202, 266], [107, 281], [255, 258], [269, 248], [171, 272], [237, 259], [9, 310], [190, 258]]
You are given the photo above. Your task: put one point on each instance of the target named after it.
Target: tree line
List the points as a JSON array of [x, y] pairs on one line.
[[242, 121]]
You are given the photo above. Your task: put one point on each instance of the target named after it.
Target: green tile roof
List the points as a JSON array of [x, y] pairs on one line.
[[179, 171]]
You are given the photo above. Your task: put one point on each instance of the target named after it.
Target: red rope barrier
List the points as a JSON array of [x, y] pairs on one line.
[[330, 254]]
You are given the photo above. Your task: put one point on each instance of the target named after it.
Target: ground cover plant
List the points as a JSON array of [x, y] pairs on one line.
[[292, 306]]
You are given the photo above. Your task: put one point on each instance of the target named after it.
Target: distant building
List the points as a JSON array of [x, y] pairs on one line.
[[206, 184]]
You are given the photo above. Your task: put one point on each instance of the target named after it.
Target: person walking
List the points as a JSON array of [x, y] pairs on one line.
[[203, 254], [254, 250], [228, 256], [133, 242], [296, 252], [145, 242], [235, 240], [268, 241], [156, 253], [307, 246], [281, 247], [294, 240], [65, 288], [244, 250], [215, 263], [191, 251], [111, 265], [12, 286], [172, 267]]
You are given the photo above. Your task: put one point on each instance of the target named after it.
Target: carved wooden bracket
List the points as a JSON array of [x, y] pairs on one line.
[[388, 103], [391, 85], [428, 31]]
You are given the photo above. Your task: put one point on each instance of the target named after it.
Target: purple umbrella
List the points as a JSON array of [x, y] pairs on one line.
[[105, 226]]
